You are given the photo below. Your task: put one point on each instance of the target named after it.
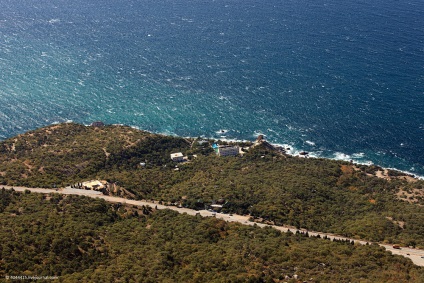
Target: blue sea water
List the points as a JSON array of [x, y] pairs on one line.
[[340, 79]]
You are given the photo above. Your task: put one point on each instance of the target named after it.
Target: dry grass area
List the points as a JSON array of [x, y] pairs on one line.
[[346, 169], [409, 179], [411, 196], [382, 174], [385, 175]]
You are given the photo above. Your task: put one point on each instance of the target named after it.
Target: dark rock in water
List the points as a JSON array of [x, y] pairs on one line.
[[303, 153]]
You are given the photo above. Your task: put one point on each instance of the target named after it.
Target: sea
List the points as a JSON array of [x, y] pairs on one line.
[[339, 79]]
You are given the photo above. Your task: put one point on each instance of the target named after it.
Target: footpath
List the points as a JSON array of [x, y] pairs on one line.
[[416, 255]]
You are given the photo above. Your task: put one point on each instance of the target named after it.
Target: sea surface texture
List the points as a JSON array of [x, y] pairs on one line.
[[340, 79]]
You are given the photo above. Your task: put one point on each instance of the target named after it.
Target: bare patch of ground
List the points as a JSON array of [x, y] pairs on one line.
[[398, 223], [27, 163], [409, 179], [383, 174], [346, 169], [106, 153], [411, 196]]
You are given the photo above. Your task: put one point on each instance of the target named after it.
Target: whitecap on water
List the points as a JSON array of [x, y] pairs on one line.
[[358, 155], [341, 156], [310, 143], [53, 21], [222, 131]]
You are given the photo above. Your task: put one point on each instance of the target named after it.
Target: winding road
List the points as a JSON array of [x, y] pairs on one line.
[[416, 255]]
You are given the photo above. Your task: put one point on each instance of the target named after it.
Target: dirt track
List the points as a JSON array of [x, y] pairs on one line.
[[416, 255]]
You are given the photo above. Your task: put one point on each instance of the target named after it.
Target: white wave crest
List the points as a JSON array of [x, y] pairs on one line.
[[310, 143]]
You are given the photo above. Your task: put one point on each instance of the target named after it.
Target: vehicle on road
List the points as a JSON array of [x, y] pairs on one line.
[[396, 247]]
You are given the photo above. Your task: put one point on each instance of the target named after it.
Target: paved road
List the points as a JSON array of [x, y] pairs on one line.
[[416, 255]]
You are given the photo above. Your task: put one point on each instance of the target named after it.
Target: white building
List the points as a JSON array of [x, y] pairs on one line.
[[227, 150], [178, 157], [93, 185]]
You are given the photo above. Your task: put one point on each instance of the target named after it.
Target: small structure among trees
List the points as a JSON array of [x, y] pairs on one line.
[[177, 157], [98, 124], [94, 185], [226, 150]]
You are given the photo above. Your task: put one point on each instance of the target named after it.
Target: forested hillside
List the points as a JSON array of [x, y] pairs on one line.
[[81, 239], [317, 194]]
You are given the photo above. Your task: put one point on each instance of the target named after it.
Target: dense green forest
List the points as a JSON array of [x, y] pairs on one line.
[[316, 194], [81, 239]]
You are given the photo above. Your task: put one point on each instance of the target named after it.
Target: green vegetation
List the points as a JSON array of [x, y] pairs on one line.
[[315, 194], [61, 154], [81, 239]]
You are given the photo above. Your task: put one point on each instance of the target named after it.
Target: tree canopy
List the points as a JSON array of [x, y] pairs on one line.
[[80, 239]]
